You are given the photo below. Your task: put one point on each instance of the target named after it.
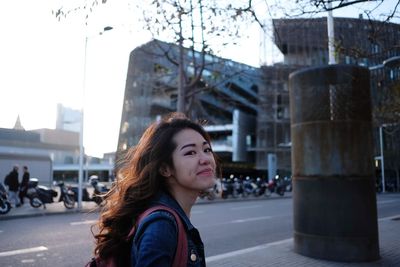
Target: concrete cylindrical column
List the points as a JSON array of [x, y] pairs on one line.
[[334, 200]]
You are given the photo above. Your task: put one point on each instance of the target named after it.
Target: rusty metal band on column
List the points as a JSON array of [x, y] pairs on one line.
[[335, 215]]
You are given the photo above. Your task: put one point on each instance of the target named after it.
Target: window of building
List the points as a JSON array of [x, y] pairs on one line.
[[279, 99], [279, 113], [125, 127], [208, 58], [254, 88], [160, 69], [286, 113], [375, 48], [248, 140], [68, 160]]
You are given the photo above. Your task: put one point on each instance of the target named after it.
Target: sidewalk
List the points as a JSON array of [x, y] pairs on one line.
[[278, 253], [281, 253]]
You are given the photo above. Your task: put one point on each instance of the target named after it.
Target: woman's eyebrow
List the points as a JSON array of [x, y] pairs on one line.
[[193, 145], [188, 145]]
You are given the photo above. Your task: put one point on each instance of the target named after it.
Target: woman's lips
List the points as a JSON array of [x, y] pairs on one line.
[[206, 172]]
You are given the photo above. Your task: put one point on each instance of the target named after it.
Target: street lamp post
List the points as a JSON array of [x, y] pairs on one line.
[[331, 35], [382, 158], [81, 148], [391, 62]]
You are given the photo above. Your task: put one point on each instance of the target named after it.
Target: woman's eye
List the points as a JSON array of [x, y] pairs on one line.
[[208, 150], [192, 152]]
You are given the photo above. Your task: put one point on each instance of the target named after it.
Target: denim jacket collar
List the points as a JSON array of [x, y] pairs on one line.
[[164, 198]]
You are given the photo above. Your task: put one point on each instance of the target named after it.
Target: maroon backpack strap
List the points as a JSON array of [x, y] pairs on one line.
[[181, 253]]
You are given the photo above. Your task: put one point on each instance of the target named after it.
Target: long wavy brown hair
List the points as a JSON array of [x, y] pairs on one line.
[[138, 181]]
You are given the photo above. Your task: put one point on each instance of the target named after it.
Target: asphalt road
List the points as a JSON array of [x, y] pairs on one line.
[[66, 240]]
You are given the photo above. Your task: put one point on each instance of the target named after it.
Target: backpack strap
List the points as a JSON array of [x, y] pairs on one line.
[[181, 253]]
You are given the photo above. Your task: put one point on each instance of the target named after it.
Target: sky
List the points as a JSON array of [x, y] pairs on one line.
[[42, 64]]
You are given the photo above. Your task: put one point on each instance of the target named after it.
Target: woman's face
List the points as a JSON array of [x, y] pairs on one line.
[[193, 162]]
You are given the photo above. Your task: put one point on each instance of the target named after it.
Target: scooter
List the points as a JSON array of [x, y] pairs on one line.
[[238, 188], [227, 188], [66, 195], [262, 187], [275, 186], [99, 189], [249, 187], [41, 195], [5, 205]]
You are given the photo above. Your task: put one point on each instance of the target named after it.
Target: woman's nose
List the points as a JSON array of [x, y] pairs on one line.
[[205, 158]]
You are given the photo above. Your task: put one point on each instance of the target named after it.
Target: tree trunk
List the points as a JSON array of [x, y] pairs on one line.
[[181, 83]]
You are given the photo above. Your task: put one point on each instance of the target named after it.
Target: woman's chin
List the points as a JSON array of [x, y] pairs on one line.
[[210, 185]]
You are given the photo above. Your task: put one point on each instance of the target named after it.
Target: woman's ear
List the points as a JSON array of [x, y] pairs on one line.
[[165, 170]]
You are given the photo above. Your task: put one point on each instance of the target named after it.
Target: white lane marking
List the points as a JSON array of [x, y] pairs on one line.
[[83, 222], [387, 201], [389, 218], [22, 251], [246, 207], [251, 219], [242, 221], [246, 250], [28, 261]]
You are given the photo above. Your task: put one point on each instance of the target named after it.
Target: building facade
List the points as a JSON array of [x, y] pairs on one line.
[[225, 96], [304, 43], [68, 119], [50, 154], [247, 109]]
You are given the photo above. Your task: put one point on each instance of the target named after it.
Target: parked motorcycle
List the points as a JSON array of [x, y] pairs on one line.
[[275, 186], [238, 188], [227, 188], [262, 187], [41, 195], [5, 205], [249, 187], [99, 189], [66, 195]]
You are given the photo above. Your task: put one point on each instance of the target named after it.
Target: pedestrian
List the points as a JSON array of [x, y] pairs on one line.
[[172, 163], [24, 185], [12, 182]]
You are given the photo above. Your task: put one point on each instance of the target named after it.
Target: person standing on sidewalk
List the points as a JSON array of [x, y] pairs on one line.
[[13, 186], [172, 163], [24, 185]]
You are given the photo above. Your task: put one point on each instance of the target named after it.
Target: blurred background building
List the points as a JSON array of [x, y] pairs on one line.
[[304, 43], [226, 97], [236, 94], [50, 154]]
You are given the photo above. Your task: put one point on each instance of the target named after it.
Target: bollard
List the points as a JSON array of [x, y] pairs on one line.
[[334, 201]]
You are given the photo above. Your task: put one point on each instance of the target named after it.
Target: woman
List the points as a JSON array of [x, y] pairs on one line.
[[172, 163]]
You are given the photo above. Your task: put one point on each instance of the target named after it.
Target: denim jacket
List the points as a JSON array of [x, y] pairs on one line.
[[156, 238]]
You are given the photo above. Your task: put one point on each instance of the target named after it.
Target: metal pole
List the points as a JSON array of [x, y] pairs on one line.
[[331, 36], [87, 169], [382, 160], [81, 148], [81, 152]]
